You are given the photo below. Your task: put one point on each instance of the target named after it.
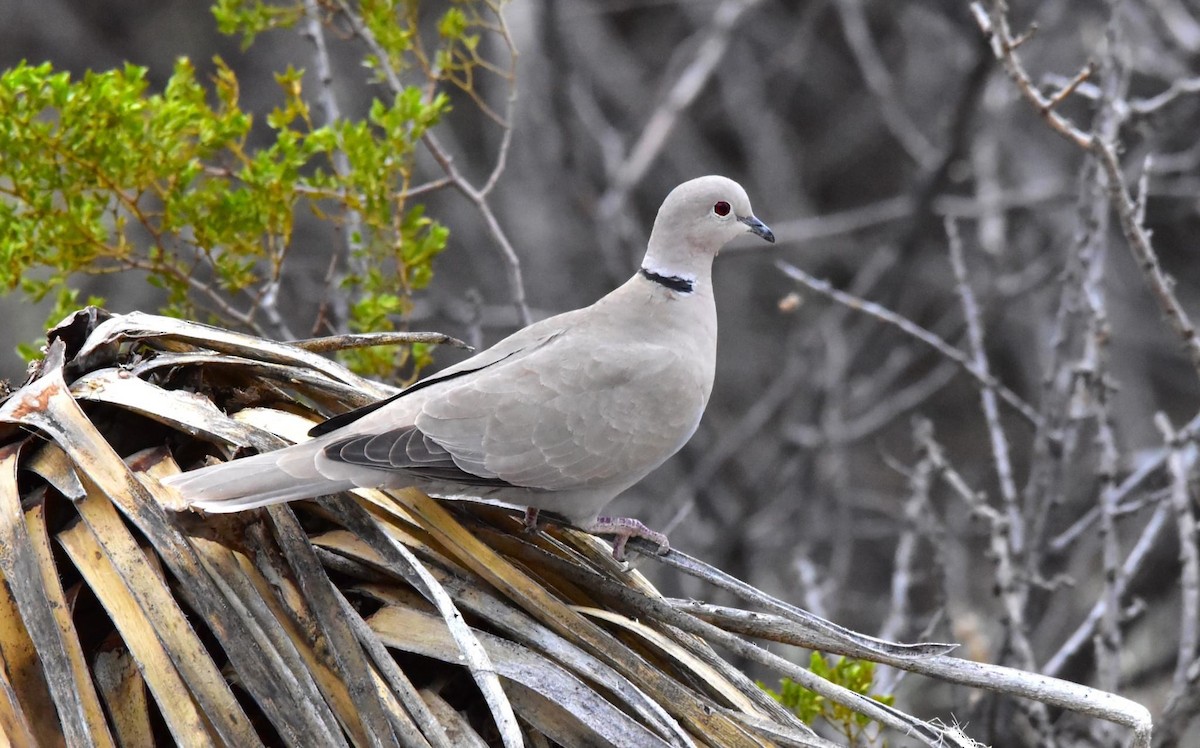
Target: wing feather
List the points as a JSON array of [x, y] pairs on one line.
[[571, 412]]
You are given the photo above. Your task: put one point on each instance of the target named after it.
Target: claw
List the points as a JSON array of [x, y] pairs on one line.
[[625, 528], [531, 519]]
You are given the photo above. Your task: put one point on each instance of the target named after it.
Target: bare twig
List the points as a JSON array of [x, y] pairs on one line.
[[1009, 587], [479, 199], [476, 196], [875, 73], [1177, 18], [991, 229], [1179, 465], [833, 462], [628, 173], [314, 29], [887, 409], [905, 555], [1180, 710], [1083, 634], [268, 301], [1179, 87], [1108, 643], [679, 96], [1150, 465], [994, 23], [914, 330], [1059, 435], [218, 302], [510, 104], [1092, 370], [991, 410], [1138, 241], [731, 440], [873, 215]]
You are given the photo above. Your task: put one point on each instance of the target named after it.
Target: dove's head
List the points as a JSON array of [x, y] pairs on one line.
[[697, 219]]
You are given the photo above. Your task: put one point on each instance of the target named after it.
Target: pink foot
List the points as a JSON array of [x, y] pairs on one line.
[[625, 528], [531, 518]]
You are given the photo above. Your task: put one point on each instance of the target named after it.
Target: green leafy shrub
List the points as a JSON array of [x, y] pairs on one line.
[[100, 174], [855, 675]]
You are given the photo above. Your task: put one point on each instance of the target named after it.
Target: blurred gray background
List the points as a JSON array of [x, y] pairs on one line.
[[857, 127]]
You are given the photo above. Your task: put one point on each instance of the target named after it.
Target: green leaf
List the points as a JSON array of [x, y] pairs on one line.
[[855, 675], [104, 172]]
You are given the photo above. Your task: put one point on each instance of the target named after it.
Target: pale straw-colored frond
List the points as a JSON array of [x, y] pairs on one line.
[[373, 618]]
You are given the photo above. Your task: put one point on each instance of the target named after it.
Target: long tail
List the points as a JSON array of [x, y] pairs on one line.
[[249, 482]]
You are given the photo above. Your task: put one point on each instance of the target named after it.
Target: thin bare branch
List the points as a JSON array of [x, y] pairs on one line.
[[624, 176], [1010, 589], [993, 20], [352, 231], [679, 97], [991, 410], [1180, 465], [875, 73], [904, 558], [1086, 630], [916, 331], [1179, 87], [1102, 146], [479, 199]]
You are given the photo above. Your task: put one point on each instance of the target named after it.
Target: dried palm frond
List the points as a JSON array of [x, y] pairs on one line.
[[372, 618]]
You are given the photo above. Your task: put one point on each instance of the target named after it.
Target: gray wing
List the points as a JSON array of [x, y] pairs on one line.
[[409, 450], [517, 344], [572, 413]]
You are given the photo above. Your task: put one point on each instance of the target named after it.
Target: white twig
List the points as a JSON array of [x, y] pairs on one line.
[[352, 231], [1093, 393], [841, 223], [1179, 87], [478, 196], [889, 406], [268, 302], [1060, 434], [905, 555], [1148, 466]]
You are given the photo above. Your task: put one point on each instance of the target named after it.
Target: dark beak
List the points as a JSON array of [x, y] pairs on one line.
[[758, 228]]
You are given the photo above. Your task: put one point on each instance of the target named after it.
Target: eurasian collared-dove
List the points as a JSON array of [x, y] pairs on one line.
[[562, 415]]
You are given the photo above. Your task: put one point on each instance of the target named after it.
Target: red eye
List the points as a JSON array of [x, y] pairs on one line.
[[721, 208]]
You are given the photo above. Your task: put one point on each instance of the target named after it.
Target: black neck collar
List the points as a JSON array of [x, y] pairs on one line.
[[673, 282]]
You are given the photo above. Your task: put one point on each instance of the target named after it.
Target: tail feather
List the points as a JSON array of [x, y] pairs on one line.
[[252, 482]]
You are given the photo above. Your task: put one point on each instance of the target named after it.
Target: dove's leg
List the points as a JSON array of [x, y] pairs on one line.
[[531, 519], [625, 528]]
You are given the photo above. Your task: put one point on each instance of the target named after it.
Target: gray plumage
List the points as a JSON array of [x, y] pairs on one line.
[[561, 416]]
